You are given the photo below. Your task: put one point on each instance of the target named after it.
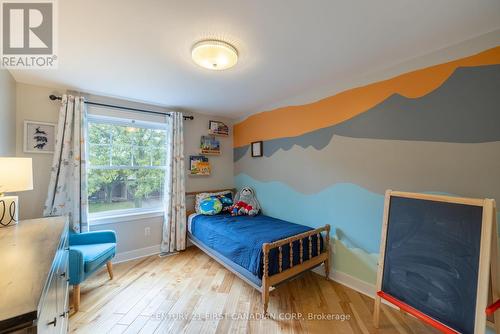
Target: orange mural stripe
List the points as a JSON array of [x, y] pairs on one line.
[[296, 120]]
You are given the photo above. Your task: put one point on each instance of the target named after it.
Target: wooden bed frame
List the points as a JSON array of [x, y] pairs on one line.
[[269, 281]]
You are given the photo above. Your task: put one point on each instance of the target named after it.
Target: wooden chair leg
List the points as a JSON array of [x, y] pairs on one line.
[[109, 265], [76, 297]]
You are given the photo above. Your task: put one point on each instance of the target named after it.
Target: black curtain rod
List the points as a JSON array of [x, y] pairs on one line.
[[53, 98]]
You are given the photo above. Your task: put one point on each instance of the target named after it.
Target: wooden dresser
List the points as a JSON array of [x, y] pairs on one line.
[[34, 276]]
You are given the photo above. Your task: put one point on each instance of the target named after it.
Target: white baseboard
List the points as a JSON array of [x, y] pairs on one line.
[[352, 282], [136, 254], [349, 281]]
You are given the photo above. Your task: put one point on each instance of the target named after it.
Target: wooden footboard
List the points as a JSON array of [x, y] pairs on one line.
[[283, 274]]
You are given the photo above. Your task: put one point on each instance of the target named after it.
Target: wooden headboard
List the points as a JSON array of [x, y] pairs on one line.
[[194, 193]]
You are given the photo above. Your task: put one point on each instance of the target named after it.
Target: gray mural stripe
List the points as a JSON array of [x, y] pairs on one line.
[[462, 110], [239, 152], [377, 164]]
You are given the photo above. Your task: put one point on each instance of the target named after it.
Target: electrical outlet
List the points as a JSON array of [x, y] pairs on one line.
[[147, 231]]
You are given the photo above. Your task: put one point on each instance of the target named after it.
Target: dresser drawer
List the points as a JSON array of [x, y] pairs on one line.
[[63, 288], [54, 305], [34, 276]]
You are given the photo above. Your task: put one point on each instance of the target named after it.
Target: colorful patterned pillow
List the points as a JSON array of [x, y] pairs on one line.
[[201, 196], [226, 200], [210, 206]]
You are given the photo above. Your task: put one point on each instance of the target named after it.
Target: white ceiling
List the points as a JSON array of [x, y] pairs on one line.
[[140, 50]]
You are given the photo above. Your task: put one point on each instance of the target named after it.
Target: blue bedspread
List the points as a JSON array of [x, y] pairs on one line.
[[240, 239]]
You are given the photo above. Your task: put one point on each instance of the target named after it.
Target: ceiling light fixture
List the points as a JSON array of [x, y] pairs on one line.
[[214, 55]]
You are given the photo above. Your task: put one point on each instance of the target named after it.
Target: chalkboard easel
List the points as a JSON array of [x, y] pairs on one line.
[[439, 261]]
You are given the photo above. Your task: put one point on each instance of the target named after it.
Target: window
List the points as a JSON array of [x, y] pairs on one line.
[[126, 166]]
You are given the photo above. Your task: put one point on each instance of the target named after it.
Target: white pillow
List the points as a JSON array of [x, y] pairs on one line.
[[201, 196]]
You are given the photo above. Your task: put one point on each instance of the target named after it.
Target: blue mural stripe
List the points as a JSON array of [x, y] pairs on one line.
[[352, 211], [356, 212]]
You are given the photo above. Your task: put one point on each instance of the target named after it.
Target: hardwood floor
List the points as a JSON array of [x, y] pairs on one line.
[[190, 292]]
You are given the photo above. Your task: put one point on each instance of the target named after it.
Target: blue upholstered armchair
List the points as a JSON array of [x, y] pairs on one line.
[[87, 253]]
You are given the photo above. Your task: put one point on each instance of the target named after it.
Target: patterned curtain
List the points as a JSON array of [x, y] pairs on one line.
[[67, 193], [174, 224]]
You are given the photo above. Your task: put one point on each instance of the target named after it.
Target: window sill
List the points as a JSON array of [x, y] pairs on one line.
[[124, 217]]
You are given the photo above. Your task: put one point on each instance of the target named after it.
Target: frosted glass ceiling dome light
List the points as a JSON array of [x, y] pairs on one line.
[[214, 55]]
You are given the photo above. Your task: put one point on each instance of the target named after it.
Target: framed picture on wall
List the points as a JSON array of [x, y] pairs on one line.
[[39, 137], [218, 128], [199, 165], [256, 147], [209, 145]]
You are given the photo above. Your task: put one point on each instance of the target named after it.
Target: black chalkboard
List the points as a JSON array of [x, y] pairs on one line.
[[432, 258]]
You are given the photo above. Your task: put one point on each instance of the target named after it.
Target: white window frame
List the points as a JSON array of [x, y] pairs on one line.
[[124, 215]]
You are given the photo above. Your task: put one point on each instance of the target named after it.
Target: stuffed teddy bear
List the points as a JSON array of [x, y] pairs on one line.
[[245, 203]]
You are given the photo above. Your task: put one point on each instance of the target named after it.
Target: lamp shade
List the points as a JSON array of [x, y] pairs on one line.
[[16, 174]]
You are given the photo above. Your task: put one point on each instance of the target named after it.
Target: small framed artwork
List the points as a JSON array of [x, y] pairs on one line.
[[39, 137], [256, 149], [218, 128], [209, 145], [199, 165]]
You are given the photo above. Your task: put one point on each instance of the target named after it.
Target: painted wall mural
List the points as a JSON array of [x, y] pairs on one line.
[[433, 130]]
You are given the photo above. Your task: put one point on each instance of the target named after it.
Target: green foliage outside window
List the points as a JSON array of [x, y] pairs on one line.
[[125, 160]]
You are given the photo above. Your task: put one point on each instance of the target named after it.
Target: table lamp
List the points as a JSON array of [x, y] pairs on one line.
[[16, 174]]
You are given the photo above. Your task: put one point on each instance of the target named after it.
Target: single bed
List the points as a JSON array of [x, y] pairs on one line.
[[257, 249]]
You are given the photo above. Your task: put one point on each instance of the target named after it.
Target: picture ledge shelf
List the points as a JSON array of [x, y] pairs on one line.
[[218, 134], [209, 153]]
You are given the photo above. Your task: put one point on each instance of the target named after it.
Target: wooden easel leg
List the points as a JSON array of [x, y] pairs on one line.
[[380, 269], [376, 312], [494, 274]]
